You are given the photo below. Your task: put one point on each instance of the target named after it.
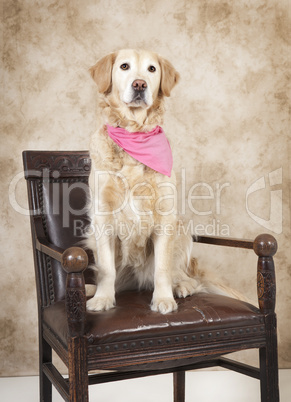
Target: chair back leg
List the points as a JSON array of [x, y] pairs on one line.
[[45, 356], [179, 386]]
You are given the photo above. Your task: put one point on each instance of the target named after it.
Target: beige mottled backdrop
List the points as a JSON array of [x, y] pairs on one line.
[[227, 119]]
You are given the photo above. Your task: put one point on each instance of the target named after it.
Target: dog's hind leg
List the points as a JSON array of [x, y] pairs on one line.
[[186, 282]]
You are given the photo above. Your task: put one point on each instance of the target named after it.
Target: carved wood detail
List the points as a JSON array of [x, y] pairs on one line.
[[266, 286], [58, 164], [75, 304]]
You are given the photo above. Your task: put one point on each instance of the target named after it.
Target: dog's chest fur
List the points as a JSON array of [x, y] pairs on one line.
[[133, 200]]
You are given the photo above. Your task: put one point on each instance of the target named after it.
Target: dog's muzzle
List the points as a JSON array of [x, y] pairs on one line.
[[139, 88]]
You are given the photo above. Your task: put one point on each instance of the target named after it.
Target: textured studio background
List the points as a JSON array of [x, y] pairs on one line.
[[227, 119]]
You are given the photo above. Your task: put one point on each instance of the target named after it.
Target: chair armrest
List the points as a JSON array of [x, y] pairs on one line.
[[49, 249], [265, 246], [224, 241], [73, 259]]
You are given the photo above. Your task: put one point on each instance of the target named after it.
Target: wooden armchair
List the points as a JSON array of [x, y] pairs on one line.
[[131, 341]]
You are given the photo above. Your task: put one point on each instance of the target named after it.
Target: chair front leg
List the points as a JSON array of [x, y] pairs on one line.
[[269, 363], [78, 370]]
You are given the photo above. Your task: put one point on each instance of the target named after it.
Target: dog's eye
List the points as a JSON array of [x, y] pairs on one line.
[[152, 69], [124, 66]]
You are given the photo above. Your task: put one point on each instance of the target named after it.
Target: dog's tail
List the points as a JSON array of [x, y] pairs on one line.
[[210, 284]]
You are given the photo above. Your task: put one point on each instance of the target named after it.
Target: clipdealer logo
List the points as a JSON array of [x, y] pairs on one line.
[[275, 221], [188, 200]]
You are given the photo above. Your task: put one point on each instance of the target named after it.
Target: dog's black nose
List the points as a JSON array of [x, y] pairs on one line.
[[139, 85]]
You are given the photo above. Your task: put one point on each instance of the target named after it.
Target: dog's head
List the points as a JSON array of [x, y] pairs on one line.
[[135, 77]]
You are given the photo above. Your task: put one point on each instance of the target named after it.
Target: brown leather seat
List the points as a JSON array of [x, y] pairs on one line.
[[130, 339], [132, 326], [200, 317]]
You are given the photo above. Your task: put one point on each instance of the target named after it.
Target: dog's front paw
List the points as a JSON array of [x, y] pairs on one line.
[[100, 303], [164, 305]]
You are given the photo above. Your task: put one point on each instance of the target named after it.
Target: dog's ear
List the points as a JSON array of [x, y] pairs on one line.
[[101, 72], [169, 77]]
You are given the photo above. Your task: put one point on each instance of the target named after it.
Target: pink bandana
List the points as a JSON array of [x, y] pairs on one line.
[[151, 148]]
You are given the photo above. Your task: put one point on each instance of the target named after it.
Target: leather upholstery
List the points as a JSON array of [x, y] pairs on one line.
[[132, 319]]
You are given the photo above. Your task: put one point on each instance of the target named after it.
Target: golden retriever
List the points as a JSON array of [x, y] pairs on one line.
[[137, 241]]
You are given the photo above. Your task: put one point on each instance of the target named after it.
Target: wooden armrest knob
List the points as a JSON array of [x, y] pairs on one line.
[[74, 259], [265, 245]]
